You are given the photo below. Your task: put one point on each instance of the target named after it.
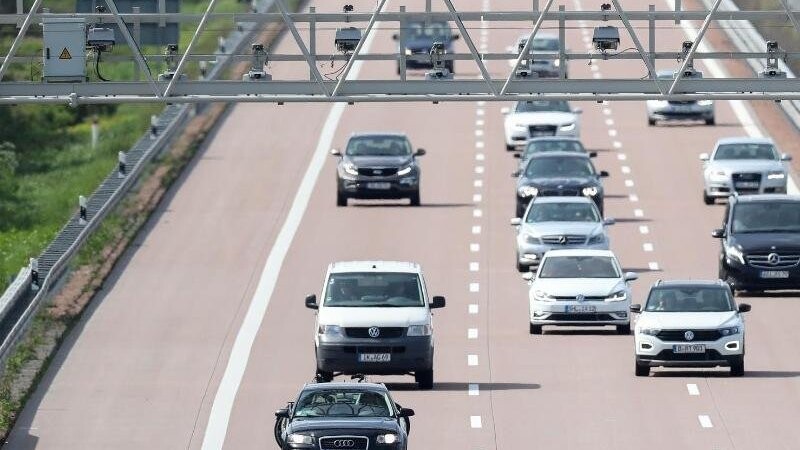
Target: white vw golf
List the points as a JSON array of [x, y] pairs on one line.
[[580, 287]]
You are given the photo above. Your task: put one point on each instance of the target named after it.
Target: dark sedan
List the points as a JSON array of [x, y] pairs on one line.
[[420, 37]]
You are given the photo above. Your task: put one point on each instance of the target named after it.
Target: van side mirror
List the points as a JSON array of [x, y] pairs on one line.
[[516, 221], [630, 276], [603, 173], [609, 221], [704, 157], [282, 413], [335, 152], [311, 302], [592, 154], [437, 302], [406, 412], [528, 276], [636, 308], [455, 37], [744, 307], [718, 233], [785, 157], [516, 173], [420, 152]]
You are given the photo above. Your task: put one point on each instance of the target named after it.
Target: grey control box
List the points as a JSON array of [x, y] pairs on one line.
[[64, 49]]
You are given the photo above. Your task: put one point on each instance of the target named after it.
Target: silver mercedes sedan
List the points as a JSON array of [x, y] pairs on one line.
[[743, 165]]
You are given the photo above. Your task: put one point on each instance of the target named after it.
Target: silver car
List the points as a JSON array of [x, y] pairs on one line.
[[552, 223], [679, 110], [743, 165]]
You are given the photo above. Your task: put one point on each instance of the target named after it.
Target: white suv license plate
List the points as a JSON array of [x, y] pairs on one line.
[[747, 184], [374, 357], [581, 309], [381, 186], [774, 274], [689, 348]]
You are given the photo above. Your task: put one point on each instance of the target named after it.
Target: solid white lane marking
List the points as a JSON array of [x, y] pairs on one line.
[[612, 132], [617, 144], [625, 169], [472, 309], [644, 229], [629, 183], [478, 133], [472, 333], [622, 156], [474, 287], [476, 229], [693, 389], [633, 198], [474, 248], [596, 75], [648, 247], [705, 421], [472, 360], [480, 157], [473, 389], [480, 112], [474, 267], [479, 123], [217, 427], [638, 213], [653, 265], [477, 199], [478, 183], [477, 213], [479, 169], [475, 422], [479, 144]]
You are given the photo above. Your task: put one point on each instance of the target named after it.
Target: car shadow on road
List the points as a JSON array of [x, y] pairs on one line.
[[454, 386], [779, 294], [697, 124], [406, 205], [640, 269], [631, 220], [580, 331], [725, 374]]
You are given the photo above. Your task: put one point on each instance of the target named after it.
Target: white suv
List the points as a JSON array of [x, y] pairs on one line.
[[375, 319], [690, 324]]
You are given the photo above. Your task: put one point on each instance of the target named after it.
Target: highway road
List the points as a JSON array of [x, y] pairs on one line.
[[202, 332]]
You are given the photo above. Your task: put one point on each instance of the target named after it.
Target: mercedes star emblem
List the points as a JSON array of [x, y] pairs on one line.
[[374, 332], [774, 259], [562, 240], [689, 335]]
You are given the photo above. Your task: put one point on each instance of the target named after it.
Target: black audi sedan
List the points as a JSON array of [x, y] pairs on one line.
[[558, 174], [343, 416], [378, 166]]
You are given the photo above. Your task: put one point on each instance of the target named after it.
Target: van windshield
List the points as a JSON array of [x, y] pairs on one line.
[[370, 289]]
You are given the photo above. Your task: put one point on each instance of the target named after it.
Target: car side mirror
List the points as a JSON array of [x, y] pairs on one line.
[[744, 307], [609, 221], [785, 157], [406, 412], [577, 111], [592, 154], [516, 221], [718, 233], [282, 413], [420, 152], [631, 276], [335, 152], [517, 155], [437, 302], [395, 36], [311, 302], [456, 37], [505, 111], [516, 174], [636, 308], [528, 276], [704, 157], [603, 173]]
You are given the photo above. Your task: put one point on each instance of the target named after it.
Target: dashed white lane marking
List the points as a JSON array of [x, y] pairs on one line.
[[474, 248], [625, 169], [480, 157], [648, 247], [478, 183], [477, 213], [479, 144], [693, 389], [594, 68], [472, 360], [622, 156], [476, 229], [617, 144], [638, 213], [472, 333], [481, 102], [474, 287], [644, 229], [607, 111], [474, 267], [612, 132], [473, 390], [705, 421], [653, 266], [479, 169], [475, 422], [596, 75], [629, 183], [479, 123], [586, 39], [477, 199], [480, 112], [633, 198], [472, 309], [479, 133]]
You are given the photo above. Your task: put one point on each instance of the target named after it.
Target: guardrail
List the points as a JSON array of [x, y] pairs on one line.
[[22, 298]]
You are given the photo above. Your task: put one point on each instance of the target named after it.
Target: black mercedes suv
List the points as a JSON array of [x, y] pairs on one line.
[[558, 174], [760, 242], [378, 166], [343, 416]]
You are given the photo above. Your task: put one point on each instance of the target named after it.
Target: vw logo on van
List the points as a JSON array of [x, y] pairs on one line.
[[374, 332], [689, 335]]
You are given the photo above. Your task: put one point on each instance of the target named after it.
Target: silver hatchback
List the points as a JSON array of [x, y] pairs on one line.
[[743, 165], [552, 223]]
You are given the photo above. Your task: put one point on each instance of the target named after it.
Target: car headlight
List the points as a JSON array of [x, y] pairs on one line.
[[776, 175], [520, 126], [531, 239], [597, 239], [734, 253], [388, 438], [419, 330], [543, 296], [705, 102], [650, 331], [528, 191], [556, 63], [409, 52], [296, 438], [404, 171], [718, 176], [331, 330], [590, 191], [568, 127], [350, 168], [617, 296], [730, 331]]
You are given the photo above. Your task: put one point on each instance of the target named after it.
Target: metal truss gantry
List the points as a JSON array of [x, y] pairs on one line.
[[317, 88]]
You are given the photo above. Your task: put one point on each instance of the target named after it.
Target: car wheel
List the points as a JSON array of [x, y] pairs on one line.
[[711, 121], [522, 268], [651, 121], [341, 199], [415, 199], [737, 367], [424, 379], [534, 329], [707, 199], [324, 376], [624, 329], [642, 370]]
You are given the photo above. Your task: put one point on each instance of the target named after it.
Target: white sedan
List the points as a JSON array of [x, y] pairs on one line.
[[580, 288], [538, 118]]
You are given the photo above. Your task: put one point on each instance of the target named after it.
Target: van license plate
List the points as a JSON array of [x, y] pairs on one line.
[[375, 357], [689, 348], [774, 274], [381, 186]]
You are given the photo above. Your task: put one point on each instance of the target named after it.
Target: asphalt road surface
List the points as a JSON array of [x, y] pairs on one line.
[[202, 333]]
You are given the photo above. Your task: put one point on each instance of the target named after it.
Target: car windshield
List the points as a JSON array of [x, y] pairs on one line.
[[764, 217], [559, 167], [552, 145], [544, 45], [689, 299], [378, 146], [726, 152], [343, 403], [434, 31], [562, 212], [579, 267], [374, 289], [542, 106]]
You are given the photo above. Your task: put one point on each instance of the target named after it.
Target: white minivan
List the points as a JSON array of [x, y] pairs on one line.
[[374, 318]]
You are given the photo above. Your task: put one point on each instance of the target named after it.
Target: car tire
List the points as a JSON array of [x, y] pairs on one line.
[[522, 268], [711, 121], [708, 200], [424, 379], [534, 329], [651, 122], [324, 376], [624, 329], [414, 199], [737, 367], [341, 199], [642, 370]]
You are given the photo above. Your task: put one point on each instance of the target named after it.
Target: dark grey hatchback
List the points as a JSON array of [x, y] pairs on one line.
[[378, 166]]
